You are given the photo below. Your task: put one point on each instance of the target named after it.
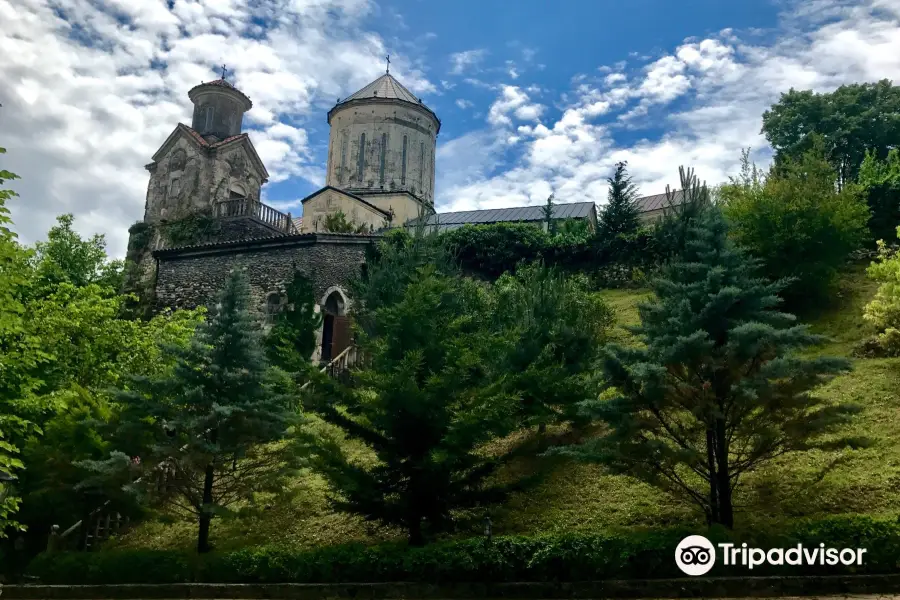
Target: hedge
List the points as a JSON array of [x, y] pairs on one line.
[[570, 557]]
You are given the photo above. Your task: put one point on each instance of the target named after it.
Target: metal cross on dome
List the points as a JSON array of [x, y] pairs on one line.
[[388, 69], [224, 70]]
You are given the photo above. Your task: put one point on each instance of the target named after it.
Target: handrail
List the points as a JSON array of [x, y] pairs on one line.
[[247, 207], [333, 361]]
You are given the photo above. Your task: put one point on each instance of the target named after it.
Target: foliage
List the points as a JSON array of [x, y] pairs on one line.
[[491, 250], [553, 326], [884, 310], [552, 558], [718, 388], [547, 212], [852, 119], [96, 350], [195, 228], [795, 213], [207, 422], [880, 180], [621, 215], [671, 233], [292, 339], [66, 258], [424, 403], [338, 222], [21, 357]]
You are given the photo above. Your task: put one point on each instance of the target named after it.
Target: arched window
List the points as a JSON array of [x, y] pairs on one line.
[[403, 166], [273, 307], [384, 142], [236, 192], [210, 113], [343, 155], [422, 166], [361, 161]]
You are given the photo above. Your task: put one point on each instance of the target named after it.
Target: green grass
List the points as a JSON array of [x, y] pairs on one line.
[[579, 497]]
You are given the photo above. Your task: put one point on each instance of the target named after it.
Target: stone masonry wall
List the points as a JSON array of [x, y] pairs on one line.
[[191, 277]]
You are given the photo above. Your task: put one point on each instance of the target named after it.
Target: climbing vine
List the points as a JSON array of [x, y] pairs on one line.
[[193, 229]]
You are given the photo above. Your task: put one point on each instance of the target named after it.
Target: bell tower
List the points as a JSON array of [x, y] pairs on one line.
[[219, 109]]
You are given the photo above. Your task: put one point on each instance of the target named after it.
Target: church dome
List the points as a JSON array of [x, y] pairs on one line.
[[384, 89], [219, 109], [382, 144]]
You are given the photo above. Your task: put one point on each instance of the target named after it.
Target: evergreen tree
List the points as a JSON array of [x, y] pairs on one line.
[[547, 212], [424, 405], [553, 326], [684, 209], [719, 386], [292, 339], [207, 424], [621, 215]]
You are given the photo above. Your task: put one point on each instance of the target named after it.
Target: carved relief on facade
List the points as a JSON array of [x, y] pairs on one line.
[[178, 160], [237, 166]]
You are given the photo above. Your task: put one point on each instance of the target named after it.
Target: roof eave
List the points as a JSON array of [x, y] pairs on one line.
[[362, 101]]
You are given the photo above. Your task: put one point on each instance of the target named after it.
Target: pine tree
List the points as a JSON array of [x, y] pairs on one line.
[[207, 425], [424, 405], [620, 216], [553, 326], [719, 387], [684, 209]]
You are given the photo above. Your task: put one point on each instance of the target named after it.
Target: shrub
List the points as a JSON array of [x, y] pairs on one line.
[[884, 310], [491, 250], [797, 223], [569, 557]]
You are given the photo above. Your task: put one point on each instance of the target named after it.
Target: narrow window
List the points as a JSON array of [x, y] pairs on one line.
[[384, 140], [175, 187], [343, 155], [422, 167], [273, 307], [403, 167], [361, 161], [210, 112]]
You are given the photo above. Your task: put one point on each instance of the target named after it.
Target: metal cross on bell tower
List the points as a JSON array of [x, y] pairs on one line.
[[224, 70], [388, 59]]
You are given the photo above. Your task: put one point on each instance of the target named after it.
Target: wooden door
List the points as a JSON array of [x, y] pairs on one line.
[[341, 335]]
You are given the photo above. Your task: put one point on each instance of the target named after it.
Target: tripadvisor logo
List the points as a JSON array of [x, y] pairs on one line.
[[696, 555]]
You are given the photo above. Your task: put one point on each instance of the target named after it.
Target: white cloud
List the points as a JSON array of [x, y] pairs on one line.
[[726, 82], [513, 100], [83, 110], [466, 61]]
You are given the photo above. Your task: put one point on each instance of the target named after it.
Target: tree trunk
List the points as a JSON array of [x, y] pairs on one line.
[[723, 480], [713, 514], [206, 506], [205, 511], [415, 532]]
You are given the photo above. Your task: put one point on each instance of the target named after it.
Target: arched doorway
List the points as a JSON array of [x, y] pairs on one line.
[[335, 326]]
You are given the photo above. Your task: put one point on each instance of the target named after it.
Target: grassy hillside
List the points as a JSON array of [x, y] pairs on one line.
[[577, 497]]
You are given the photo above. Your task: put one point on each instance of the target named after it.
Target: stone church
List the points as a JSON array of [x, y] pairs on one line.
[[203, 216]]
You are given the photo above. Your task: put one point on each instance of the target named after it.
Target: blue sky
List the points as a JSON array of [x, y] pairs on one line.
[[535, 96]]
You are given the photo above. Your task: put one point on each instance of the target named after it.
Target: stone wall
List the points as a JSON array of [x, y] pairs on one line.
[[191, 277], [405, 135], [190, 178], [330, 201]]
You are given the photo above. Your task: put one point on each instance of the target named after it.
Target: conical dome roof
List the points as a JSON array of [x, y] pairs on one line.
[[385, 87]]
